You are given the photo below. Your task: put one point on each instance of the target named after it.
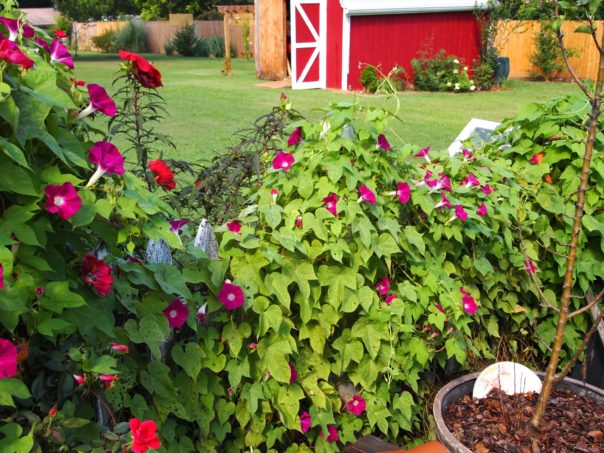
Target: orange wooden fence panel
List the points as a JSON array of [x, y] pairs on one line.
[[518, 44]]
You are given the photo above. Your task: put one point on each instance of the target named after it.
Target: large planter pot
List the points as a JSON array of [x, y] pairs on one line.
[[502, 71], [462, 386]]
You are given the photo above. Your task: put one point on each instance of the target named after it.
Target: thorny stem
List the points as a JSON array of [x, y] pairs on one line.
[[596, 103]]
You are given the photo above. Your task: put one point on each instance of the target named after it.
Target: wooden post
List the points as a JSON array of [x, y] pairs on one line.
[[227, 45]]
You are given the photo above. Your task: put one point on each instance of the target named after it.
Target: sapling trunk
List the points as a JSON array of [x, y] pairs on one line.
[[596, 104]]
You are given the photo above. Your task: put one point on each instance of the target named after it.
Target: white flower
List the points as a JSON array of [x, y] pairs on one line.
[[456, 61], [457, 86], [455, 71], [465, 68], [449, 84], [472, 88], [471, 82]]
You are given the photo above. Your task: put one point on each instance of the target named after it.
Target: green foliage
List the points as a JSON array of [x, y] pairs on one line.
[[106, 42], [132, 37], [441, 72], [211, 47], [547, 58], [483, 75], [169, 48], [186, 42], [369, 79]]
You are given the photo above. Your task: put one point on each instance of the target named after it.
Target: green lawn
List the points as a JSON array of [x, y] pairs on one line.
[[206, 107]]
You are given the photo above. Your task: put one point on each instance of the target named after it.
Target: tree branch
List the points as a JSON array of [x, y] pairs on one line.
[[591, 303]]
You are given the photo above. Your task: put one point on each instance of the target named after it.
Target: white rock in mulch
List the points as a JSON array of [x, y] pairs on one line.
[[510, 377]]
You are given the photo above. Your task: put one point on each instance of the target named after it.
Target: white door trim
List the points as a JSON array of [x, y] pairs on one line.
[[345, 49], [319, 44]]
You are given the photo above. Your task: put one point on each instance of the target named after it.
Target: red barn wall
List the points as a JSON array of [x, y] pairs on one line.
[[389, 40], [334, 44]]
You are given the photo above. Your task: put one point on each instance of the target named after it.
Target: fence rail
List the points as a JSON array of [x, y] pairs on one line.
[[519, 44], [161, 32]]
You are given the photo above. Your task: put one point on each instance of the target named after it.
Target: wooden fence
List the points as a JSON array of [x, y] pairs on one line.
[[517, 43], [161, 32]]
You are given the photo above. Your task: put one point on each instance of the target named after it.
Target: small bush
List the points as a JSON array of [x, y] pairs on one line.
[[169, 48], [483, 76], [105, 42], [394, 82], [211, 47], [369, 79], [132, 37], [547, 58], [186, 42], [441, 72]]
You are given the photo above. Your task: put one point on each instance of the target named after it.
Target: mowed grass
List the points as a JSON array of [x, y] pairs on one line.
[[206, 108]]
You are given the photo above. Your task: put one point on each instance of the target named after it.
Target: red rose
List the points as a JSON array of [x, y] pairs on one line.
[[96, 273], [144, 435], [162, 174], [60, 34], [145, 72]]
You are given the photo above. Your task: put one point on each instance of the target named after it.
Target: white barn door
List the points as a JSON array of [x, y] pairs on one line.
[[309, 43]]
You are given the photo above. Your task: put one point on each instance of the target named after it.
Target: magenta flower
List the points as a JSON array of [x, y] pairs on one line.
[[120, 348], [80, 379], [176, 225], [305, 421], [467, 154], [295, 137], [443, 202], [176, 313], [444, 182], [234, 227], [403, 192], [391, 298], [1, 276], [108, 160], [108, 379], [482, 210], [356, 405], [383, 286], [299, 221], [439, 307], [274, 195], [283, 96], [293, 377], [487, 189], [470, 181], [382, 143], [425, 180], [43, 44], [366, 194], [283, 161], [13, 26], [529, 266], [99, 102], [39, 290], [461, 213], [62, 200], [469, 304], [201, 313], [8, 359], [332, 435], [331, 204], [423, 153], [536, 158], [231, 296], [60, 54]]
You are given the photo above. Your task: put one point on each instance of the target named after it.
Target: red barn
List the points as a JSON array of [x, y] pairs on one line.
[[332, 39]]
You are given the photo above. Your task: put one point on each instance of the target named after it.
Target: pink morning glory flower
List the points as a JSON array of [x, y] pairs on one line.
[[445, 182], [366, 194], [43, 44], [234, 227], [470, 181], [403, 192], [176, 313], [60, 54], [293, 377], [425, 180], [108, 160], [274, 195], [383, 286], [461, 213], [62, 200], [13, 26], [176, 225], [283, 161], [529, 266], [469, 304], [487, 189], [231, 296], [332, 435], [1, 276], [331, 203], [120, 348], [201, 313], [108, 379], [99, 102], [467, 154], [423, 153], [295, 137], [443, 202], [439, 307], [305, 421], [382, 143], [299, 221], [482, 210], [356, 405], [8, 359], [391, 298], [79, 379], [536, 158]]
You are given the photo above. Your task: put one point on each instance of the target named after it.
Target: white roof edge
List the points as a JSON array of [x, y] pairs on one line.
[[375, 7]]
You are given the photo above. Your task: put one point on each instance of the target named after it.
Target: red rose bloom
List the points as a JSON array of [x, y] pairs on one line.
[[96, 273], [144, 435], [145, 72], [60, 34], [162, 174]]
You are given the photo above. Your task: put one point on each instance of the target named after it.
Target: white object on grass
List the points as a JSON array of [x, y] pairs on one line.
[[509, 377], [481, 130]]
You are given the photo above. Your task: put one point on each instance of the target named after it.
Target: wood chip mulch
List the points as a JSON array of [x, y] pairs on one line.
[[501, 423]]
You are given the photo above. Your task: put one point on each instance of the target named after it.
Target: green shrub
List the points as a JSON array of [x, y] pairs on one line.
[[393, 82], [441, 72], [211, 47], [483, 76], [132, 37], [186, 42], [369, 79], [106, 42], [169, 48], [547, 59]]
